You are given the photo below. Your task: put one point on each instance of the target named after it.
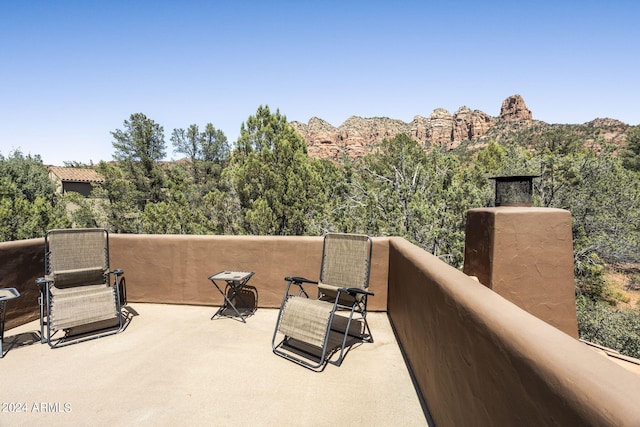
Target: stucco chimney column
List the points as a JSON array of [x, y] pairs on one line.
[[525, 254]]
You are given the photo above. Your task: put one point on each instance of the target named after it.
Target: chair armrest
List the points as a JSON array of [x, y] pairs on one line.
[[354, 291], [299, 280], [118, 272], [42, 281]]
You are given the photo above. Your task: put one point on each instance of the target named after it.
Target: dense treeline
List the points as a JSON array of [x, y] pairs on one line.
[[266, 184]]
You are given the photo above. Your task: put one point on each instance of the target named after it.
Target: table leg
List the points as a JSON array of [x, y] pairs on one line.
[[3, 305], [236, 287]]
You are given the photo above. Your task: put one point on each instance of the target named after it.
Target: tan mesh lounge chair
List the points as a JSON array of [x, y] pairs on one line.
[[314, 328], [75, 294]]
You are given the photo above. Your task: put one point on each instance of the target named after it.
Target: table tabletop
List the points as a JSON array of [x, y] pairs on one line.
[[8, 293], [229, 275]]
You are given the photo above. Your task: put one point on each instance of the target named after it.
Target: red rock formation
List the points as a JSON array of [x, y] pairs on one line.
[[358, 136], [514, 109], [468, 124]]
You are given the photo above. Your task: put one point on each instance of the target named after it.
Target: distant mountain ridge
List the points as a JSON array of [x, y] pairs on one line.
[[357, 136]]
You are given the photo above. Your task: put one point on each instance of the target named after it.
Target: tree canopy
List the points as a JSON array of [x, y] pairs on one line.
[[272, 176], [631, 155], [267, 184], [28, 203]]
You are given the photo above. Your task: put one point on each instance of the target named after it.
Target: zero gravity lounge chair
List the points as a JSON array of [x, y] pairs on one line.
[[75, 293], [314, 328]]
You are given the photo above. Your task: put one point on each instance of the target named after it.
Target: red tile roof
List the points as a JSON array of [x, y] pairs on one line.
[[76, 174]]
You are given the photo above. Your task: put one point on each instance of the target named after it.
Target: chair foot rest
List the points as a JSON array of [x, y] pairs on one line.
[[306, 320], [75, 309]]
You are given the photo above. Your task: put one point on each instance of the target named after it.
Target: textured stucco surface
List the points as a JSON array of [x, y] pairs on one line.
[[175, 268], [21, 263], [481, 360], [525, 255]]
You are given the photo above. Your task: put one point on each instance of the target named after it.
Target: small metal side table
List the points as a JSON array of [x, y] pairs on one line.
[[235, 283], [5, 295]]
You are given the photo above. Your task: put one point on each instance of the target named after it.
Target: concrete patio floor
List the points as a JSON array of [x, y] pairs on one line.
[[172, 365]]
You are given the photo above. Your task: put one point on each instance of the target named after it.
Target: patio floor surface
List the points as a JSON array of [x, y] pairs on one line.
[[172, 365]]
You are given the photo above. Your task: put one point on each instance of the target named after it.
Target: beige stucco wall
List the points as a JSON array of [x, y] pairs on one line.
[[21, 263], [480, 360], [175, 268]]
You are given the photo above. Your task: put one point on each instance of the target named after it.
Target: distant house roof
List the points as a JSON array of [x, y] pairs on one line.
[[76, 174]]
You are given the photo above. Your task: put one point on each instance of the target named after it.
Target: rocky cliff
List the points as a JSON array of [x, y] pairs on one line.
[[357, 135]]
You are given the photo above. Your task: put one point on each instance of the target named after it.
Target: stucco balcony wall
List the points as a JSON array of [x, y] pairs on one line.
[[175, 268], [21, 263], [481, 360]]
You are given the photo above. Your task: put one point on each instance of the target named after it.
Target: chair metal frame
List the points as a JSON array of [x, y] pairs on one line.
[[352, 299], [6, 294], [46, 297]]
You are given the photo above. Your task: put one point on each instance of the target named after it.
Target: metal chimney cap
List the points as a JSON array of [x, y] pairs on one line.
[[514, 177], [514, 190]]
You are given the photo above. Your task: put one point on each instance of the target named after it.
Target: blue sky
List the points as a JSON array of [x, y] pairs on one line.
[[71, 72]]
